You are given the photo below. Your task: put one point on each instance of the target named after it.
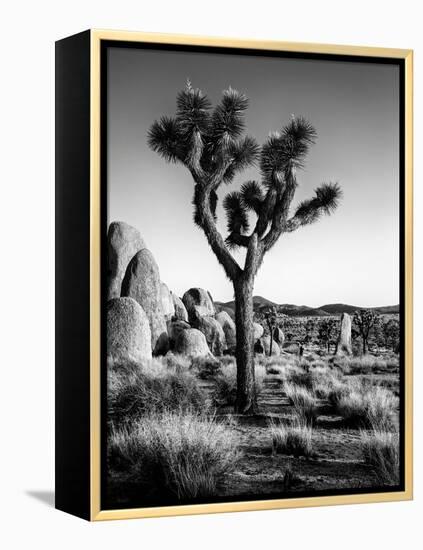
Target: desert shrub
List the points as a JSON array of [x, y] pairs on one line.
[[301, 378], [175, 454], [152, 387], [206, 367], [226, 385], [332, 388], [340, 363], [327, 386], [368, 407], [366, 364], [227, 360], [382, 408], [292, 440], [284, 360], [303, 401], [274, 369], [176, 361], [381, 451], [291, 348]]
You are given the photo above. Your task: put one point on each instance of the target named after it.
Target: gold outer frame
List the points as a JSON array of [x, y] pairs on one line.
[[95, 417]]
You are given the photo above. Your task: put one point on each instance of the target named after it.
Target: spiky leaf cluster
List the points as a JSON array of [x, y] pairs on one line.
[[325, 201], [286, 150], [210, 142], [203, 139]]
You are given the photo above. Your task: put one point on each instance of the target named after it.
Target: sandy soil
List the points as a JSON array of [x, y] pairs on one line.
[[336, 462]]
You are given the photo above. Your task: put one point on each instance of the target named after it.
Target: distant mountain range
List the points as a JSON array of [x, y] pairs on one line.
[[306, 311]]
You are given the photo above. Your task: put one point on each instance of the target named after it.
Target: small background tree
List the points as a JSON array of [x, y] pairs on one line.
[[327, 332], [365, 320], [211, 145], [391, 333]]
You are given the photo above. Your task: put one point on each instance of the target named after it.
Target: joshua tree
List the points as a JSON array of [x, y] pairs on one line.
[[211, 144], [391, 333], [327, 332], [365, 320]]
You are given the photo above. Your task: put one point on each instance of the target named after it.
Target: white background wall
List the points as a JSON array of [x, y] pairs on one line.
[[27, 37]]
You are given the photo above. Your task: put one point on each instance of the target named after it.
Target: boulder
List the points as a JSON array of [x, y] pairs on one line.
[[214, 334], [174, 328], [198, 303], [278, 336], [128, 332], [123, 242], [181, 313], [265, 343], [167, 302], [142, 283], [258, 331], [192, 342], [226, 322], [343, 346]]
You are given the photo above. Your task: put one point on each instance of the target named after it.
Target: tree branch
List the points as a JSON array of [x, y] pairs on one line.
[[204, 219], [281, 210], [325, 201]]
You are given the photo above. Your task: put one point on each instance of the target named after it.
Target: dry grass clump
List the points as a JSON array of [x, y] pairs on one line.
[[226, 383], [331, 387], [152, 387], [304, 402], [372, 407], [283, 360], [176, 361], [367, 364], [206, 367], [275, 370], [293, 440], [380, 450], [174, 454], [301, 377]]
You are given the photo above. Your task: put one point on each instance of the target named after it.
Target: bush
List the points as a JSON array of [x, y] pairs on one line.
[[301, 378], [292, 440], [381, 451], [206, 367], [178, 362], [366, 364], [174, 454], [226, 385], [382, 408], [374, 407], [153, 387], [271, 369], [328, 385], [304, 403]]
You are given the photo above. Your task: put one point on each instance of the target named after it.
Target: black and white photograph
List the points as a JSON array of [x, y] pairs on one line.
[[253, 276]]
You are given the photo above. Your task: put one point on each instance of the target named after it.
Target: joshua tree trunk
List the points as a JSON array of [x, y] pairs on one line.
[[246, 391], [364, 346]]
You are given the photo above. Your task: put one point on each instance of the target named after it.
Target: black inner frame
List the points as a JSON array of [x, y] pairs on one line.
[[105, 44]]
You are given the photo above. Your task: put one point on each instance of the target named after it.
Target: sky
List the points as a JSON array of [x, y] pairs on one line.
[[351, 256]]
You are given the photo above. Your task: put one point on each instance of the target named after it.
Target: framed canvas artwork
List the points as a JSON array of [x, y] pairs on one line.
[[233, 275]]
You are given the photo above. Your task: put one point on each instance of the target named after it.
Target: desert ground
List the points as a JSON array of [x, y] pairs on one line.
[[325, 424]]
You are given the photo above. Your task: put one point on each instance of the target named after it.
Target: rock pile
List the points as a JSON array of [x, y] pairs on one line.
[[145, 318]]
